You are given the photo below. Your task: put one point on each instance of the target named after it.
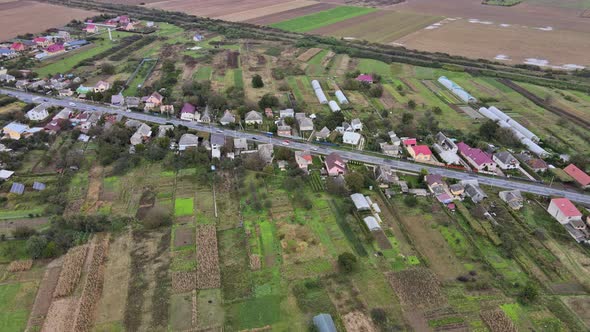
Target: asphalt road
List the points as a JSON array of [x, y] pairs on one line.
[[506, 183]]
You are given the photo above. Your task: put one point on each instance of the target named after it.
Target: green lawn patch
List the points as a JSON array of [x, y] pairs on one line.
[[374, 66], [19, 214], [183, 207], [323, 18], [13, 250], [203, 74], [513, 310], [15, 301], [253, 313]]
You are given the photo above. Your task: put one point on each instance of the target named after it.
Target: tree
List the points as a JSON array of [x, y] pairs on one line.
[[488, 129], [257, 82], [36, 245], [411, 104], [23, 232], [379, 316], [529, 294], [347, 261], [355, 181], [407, 118], [411, 201], [268, 100], [107, 69], [156, 217]]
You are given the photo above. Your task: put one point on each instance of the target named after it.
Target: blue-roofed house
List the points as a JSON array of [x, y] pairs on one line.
[[15, 130], [8, 53], [17, 188], [324, 323], [39, 186], [76, 43]]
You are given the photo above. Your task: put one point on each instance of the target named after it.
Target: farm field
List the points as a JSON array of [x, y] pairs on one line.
[[383, 26], [314, 21], [217, 8], [290, 14], [568, 47], [20, 17], [256, 13]]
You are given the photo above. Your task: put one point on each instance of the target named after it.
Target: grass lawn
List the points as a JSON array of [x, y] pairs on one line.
[[204, 73], [374, 66], [253, 313], [139, 79], [19, 214], [323, 18], [183, 207], [238, 79], [15, 302], [75, 57]]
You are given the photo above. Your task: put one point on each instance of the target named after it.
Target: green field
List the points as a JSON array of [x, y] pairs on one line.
[[323, 18], [15, 302], [137, 81], [183, 207], [203, 73]]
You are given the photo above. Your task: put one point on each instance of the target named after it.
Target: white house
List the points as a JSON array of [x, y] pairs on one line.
[[352, 138], [253, 117], [505, 160], [563, 210], [356, 124], [102, 86], [227, 118], [187, 141], [39, 113]]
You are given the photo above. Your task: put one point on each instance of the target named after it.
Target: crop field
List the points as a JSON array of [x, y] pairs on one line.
[[314, 21], [20, 17], [383, 26], [223, 8], [290, 14], [255, 13], [568, 47]]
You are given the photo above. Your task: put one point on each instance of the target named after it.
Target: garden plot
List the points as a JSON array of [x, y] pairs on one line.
[[184, 236], [182, 312], [227, 211], [207, 257], [44, 294], [209, 308], [235, 265], [205, 206]]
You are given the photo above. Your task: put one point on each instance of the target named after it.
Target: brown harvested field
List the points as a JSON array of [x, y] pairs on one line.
[[111, 307], [383, 26], [184, 236], [266, 11], [417, 288], [208, 274], [19, 266], [488, 41], [310, 53], [215, 8], [183, 282], [526, 13], [581, 306], [289, 14], [20, 17], [59, 317], [70, 272], [44, 294], [357, 321], [497, 321]]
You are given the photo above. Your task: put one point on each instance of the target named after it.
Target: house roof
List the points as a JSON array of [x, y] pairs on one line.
[[188, 108], [301, 156], [566, 207], [580, 176], [16, 127], [217, 139], [228, 117], [253, 116], [240, 143], [444, 197], [305, 124], [117, 99], [410, 141], [17, 188], [365, 78], [505, 157], [434, 178], [334, 160], [266, 151], [356, 121], [360, 202], [4, 174], [188, 139], [478, 156], [371, 223], [537, 163], [421, 150], [40, 39], [351, 137], [325, 132], [157, 96], [55, 48]]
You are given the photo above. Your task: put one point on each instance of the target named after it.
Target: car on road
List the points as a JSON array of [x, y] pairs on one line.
[[285, 142], [72, 104], [254, 138], [45, 100], [315, 148], [219, 131]]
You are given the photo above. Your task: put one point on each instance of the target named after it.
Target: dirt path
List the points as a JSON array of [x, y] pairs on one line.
[[44, 295]]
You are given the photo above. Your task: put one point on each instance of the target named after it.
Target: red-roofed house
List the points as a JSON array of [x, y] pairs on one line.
[[303, 159], [420, 153], [18, 47], [365, 78], [55, 48], [579, 175], [124, 19], [91, 28], [334, 164], [476, 158], [410, 142], [42, 41], [563, 210]]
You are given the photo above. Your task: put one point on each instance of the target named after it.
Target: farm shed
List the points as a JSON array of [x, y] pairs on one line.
[[341, 97], [317, 88], [372, 223], [334, 106], [456, 90], [324, 323], [360, 202]]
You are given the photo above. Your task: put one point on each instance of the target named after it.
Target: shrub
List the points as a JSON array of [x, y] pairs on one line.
[[347, 261]]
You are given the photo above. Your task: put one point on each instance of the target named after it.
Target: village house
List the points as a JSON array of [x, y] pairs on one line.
[[206, 116], [39, 113], [268, 112], [18, 47], [446, 149], [187, 112], [537, 164], [42, 42], [91, 121], [167, 109], [188, 141], [132, 102], [287, 113], [64, 114], [420, 153], [457, 189], [217, 142], [563, 210], [389, 149], [101, 86], [253, 118], [477, 158], [305, 124], [117, 100], [473, 191], [323, 134], [356, 124], [284, 131], [303, 159], [385, 175], [55, 49], [352, 138], [266, 152], [240, 145], [7, 78], [143, 133], [15, 130], [152, 101], [435, 183], [505, 160], [513, 198], [581, 178], [227, 118], [65, 93], [365, 78], [53, 127], [334, 164], [90, 28]]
